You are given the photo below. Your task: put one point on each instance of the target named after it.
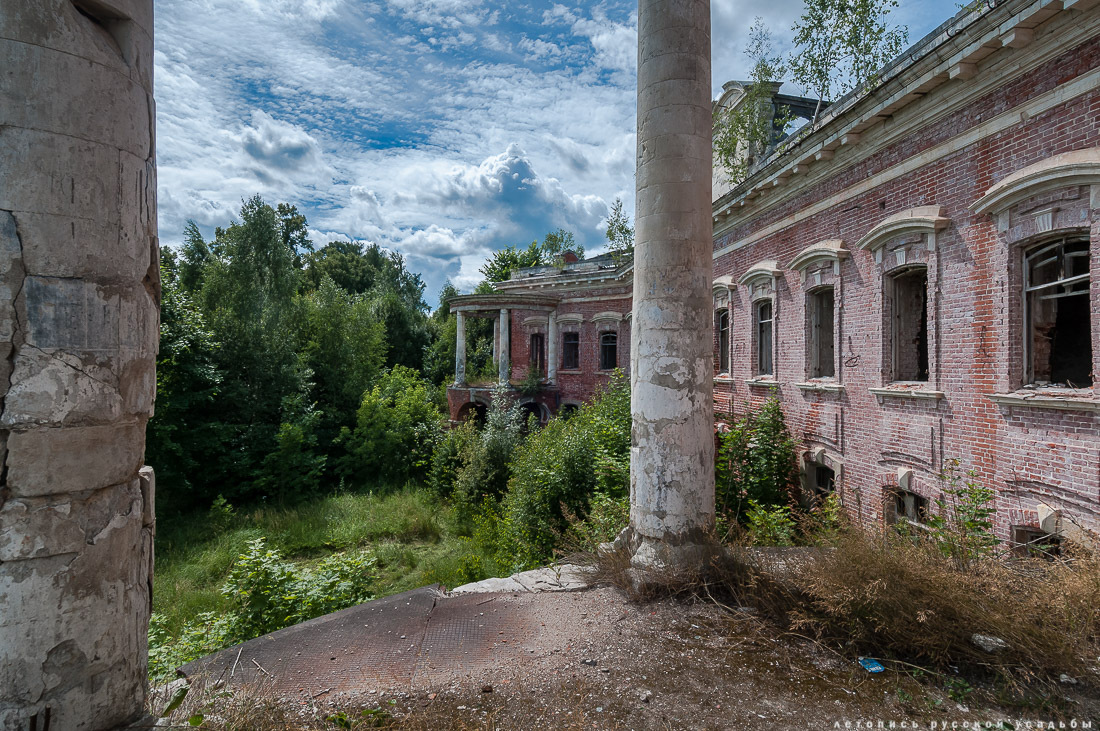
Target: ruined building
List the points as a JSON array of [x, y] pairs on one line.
[[916, 279], [79, 290]]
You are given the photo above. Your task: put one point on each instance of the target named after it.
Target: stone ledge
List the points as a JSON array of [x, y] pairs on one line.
[[761, 383], [820, 386], [1033, 400], [917, 393]]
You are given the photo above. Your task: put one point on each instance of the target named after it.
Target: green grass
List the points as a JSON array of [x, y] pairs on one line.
[[412, 534]]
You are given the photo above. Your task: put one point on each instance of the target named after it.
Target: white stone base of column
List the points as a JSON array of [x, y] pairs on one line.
[[657, 563]]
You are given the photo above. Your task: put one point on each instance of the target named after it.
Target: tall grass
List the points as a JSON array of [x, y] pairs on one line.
[[195, 553]]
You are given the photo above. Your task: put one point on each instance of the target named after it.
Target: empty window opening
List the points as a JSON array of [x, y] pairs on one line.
[[1028, 542], [820, 335], [903, 506], [910, 325], [609, 356], [824, 480], [537, 356], [724, 341], [570, 351], [1059, 328], [763, 331]]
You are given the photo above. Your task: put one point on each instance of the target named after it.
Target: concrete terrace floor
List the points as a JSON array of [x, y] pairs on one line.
[[539, 651]]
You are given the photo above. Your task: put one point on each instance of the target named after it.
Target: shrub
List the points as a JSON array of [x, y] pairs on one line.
[[397, 427], [770, 526], [756, 460], [450, 456], [962, 527], [558, 470], [484, 471]]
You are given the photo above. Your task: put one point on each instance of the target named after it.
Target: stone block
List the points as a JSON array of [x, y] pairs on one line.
[[73, 459], [60, 389], [36, 532], [75, 98], [65, 176], [87, 662], [68, 246]]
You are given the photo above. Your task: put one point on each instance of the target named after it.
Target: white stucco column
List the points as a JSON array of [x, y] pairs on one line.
[[672, 457], [460, 349], [504, 362], [552, 348]]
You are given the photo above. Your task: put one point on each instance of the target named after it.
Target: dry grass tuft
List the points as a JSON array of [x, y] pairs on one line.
[[890, 596]]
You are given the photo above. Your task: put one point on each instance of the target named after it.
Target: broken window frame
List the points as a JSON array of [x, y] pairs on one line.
[[1055, 251], [723, 317], [894, 282], [570, 351], [609, 351], [763, 333], [906, 507], [820, 360], [536, 353], [1031, 542]]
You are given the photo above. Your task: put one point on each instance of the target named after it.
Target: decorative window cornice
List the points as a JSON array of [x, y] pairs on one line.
[[722, 285], [606, 316], [923, 220], [1080, 167], [830, 250], [763, 270], [570, 318]]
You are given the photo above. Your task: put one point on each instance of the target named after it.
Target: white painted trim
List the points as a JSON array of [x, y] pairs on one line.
[[821, 387], [921, 220], [1079, 167], [920, 393], [767, 269], [1045, 402], [829, 250], [1083, 84]]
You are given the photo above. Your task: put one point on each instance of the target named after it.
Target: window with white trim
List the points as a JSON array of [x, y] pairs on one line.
[[762, 333], [820, 335], [1058, 318]]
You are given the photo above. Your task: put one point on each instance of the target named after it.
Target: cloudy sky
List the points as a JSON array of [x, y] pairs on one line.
[[442, 129]]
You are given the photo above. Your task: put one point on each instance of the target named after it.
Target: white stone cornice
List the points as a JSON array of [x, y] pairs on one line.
[[1080, 167], [831, 250], [722, 285], [767, 269], [921, 220], [613, 316]]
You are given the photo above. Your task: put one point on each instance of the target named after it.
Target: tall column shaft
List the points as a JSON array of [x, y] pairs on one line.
[[460, 349], [79, 292], [672, 453], [552, 348], [504, 361]]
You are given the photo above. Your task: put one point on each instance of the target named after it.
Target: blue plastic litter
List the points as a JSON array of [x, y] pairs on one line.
[[871, 665]]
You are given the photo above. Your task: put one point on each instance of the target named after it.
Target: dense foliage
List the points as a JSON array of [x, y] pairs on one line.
[[268, 347], [756, 461]]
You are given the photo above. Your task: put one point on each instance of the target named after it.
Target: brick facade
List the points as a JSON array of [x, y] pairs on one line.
[[905, 199]]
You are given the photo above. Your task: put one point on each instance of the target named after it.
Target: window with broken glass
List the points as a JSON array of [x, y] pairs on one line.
[[909, 325], [763, 332], [609, 356], [1058, 322], [723, 341]]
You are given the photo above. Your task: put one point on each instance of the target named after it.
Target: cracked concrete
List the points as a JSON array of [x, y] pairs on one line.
[[79, 297]]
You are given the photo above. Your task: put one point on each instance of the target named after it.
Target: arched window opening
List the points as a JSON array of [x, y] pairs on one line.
[[609, 356]]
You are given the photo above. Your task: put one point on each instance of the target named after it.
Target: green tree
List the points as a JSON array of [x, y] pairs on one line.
[[503, 262], [620, 234], [185, 432], [397, 427], [194, 255], [840, 45]]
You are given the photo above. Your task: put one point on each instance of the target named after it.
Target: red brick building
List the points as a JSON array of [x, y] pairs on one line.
[[917, 279], [570, 325]]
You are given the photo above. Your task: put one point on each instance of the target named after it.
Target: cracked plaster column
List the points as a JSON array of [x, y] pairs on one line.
[[460, 349], [552, 348], [504, 364], [79, 292], [672, 452]]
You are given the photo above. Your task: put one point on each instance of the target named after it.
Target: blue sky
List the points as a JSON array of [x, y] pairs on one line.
[[442, 129]]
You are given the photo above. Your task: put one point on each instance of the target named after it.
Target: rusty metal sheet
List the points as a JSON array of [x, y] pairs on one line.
[[370, 646]]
